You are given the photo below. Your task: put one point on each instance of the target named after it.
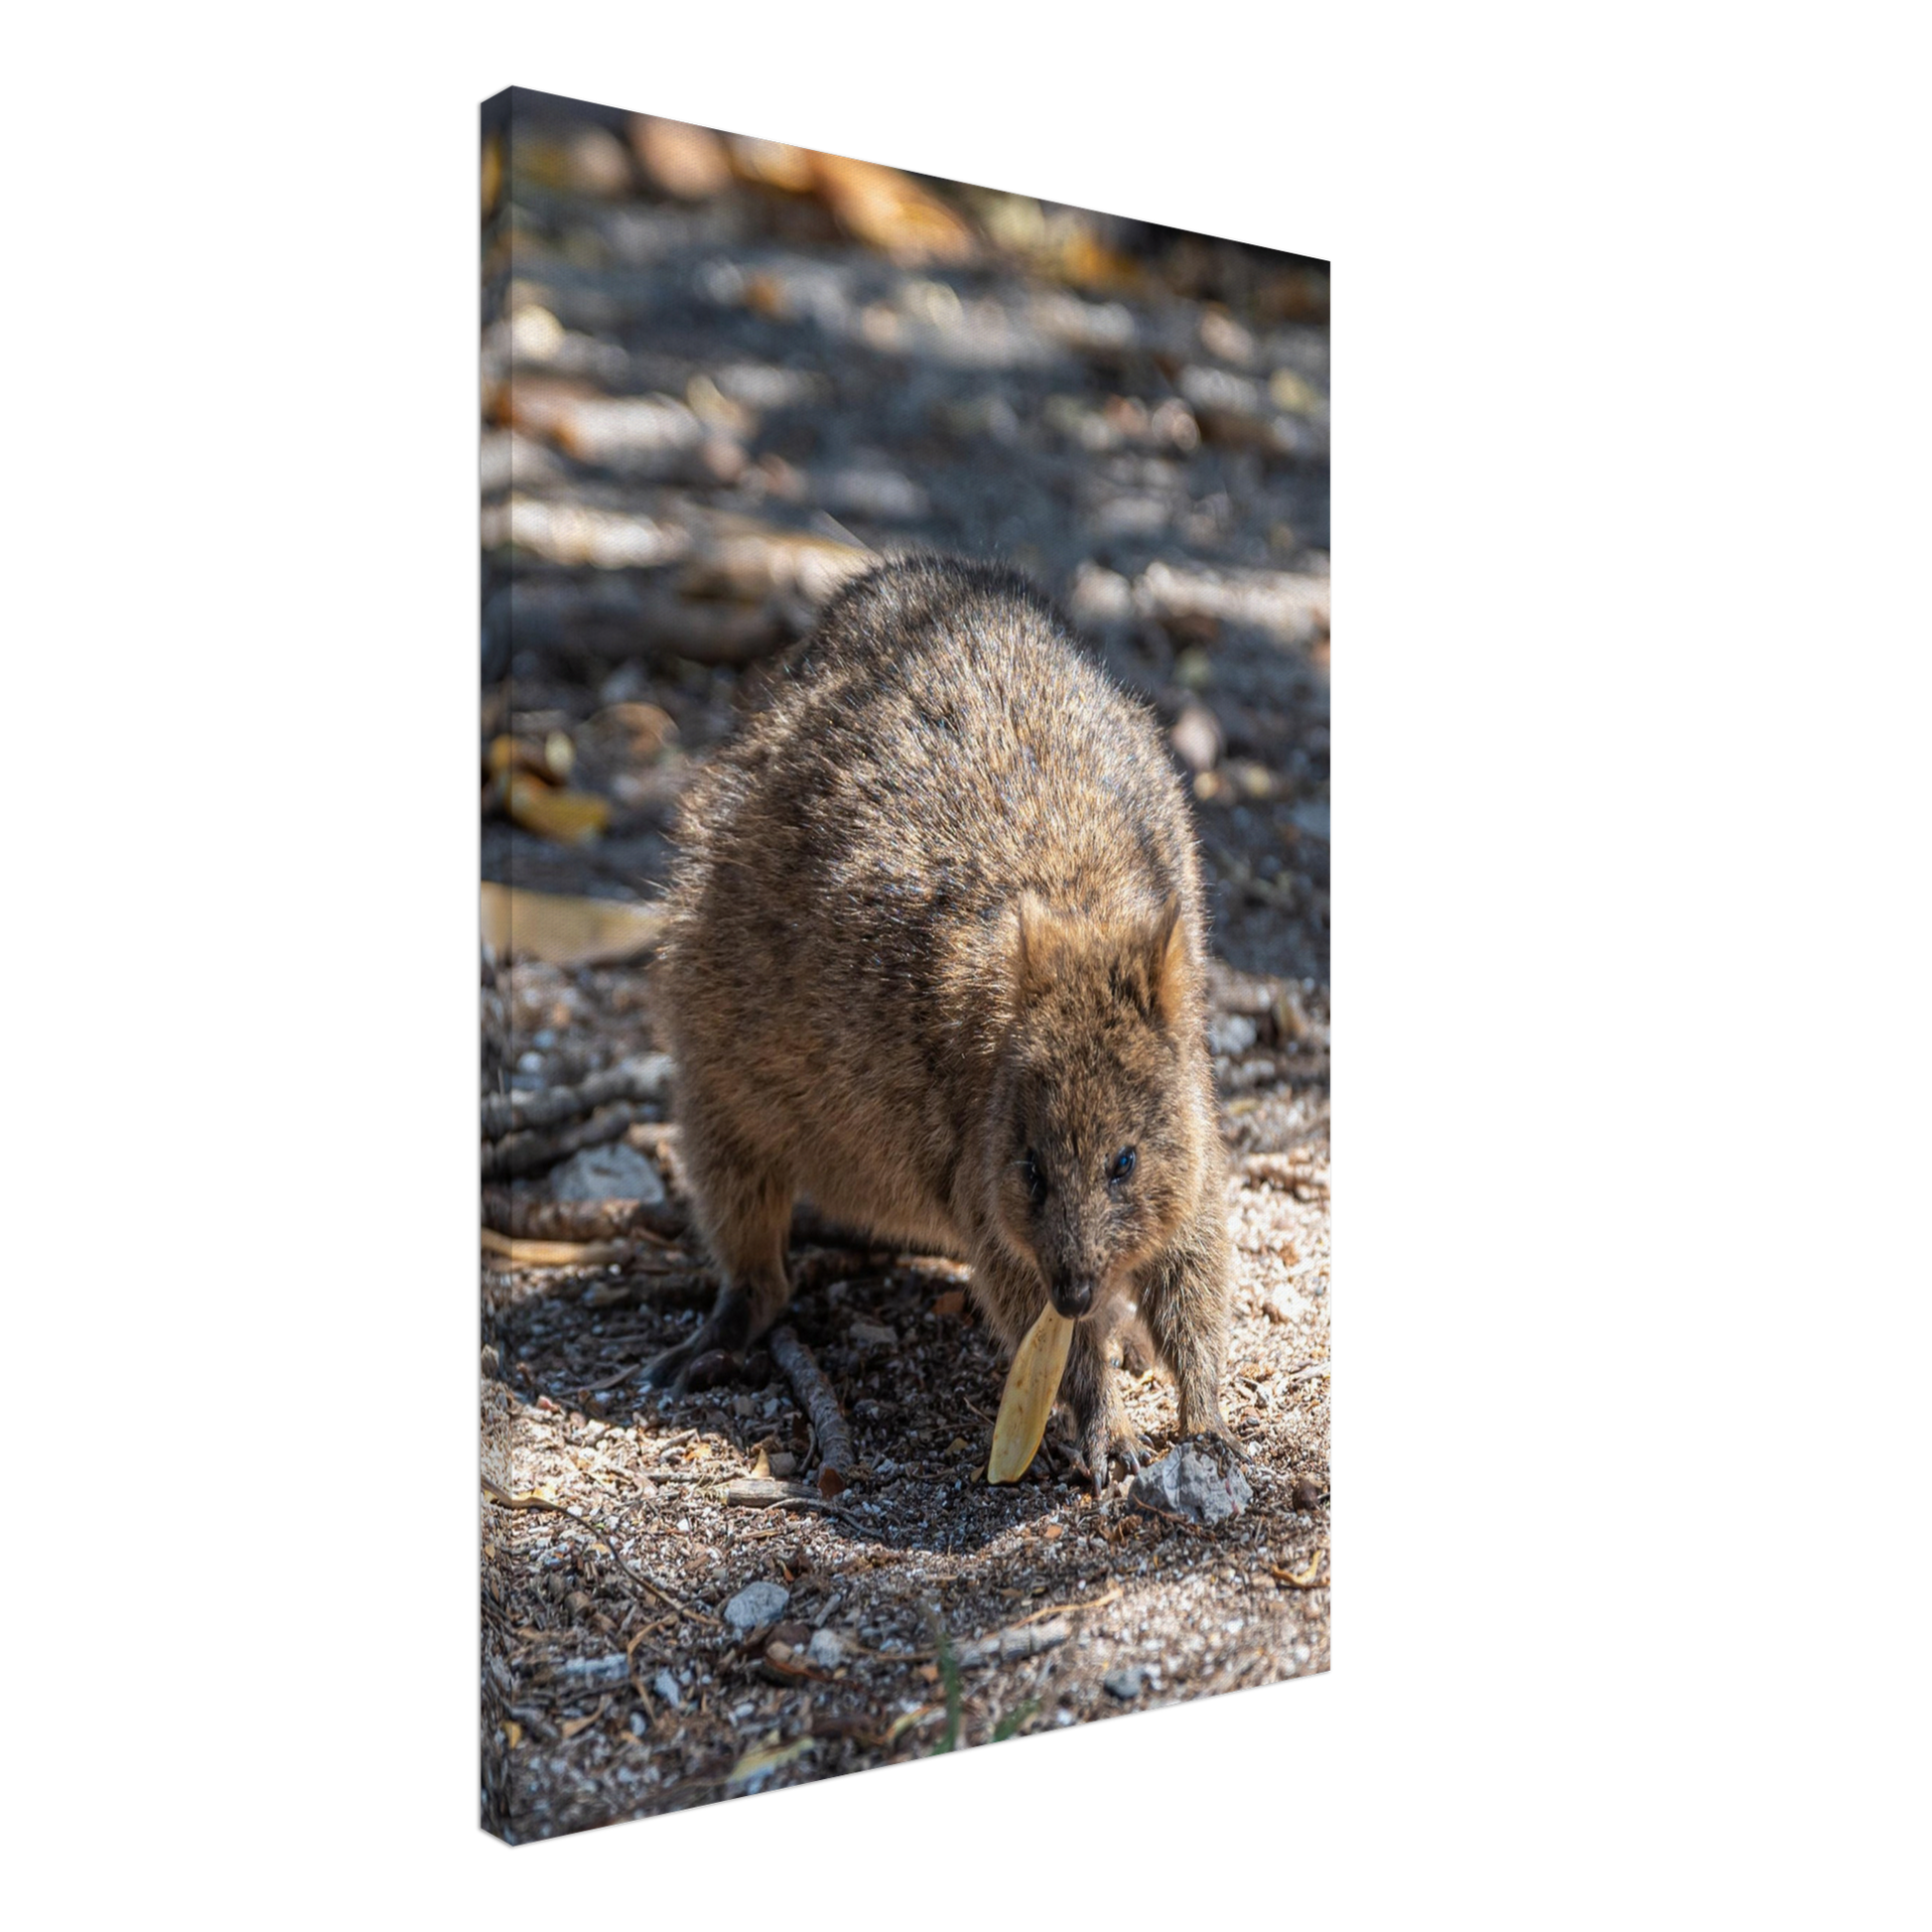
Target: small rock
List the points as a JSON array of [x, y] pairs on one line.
[[1312, 817], [757, 1605], [1308, 1492], [1197, 736], [666, 1687], [615, 1172], [1191, 1482], [639, 1724], [873, 1334], [826, 1649], [1231, 1034], [781, 1462], [1126, 1682], [596, 1673]]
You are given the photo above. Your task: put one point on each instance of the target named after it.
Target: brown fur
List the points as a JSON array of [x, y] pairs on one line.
[[939, 910]]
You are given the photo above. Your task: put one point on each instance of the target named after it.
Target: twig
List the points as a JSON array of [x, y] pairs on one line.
[[1013, 1644], [638, 1079], [581, 1220], [610, 1381], [504, 1500], [543, 1146], [553, 1254], [763, 1492], [1300, 1579], [821, 1403], [1061, 1609]]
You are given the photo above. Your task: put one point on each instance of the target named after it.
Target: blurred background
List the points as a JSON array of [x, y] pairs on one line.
[[721, 374]]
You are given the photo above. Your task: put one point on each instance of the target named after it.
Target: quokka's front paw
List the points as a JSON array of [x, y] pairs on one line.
[[1105, 1436]]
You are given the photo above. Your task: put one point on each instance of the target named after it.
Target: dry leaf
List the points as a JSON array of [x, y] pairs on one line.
[[685, 160], [566, 931], [891, 212], [512, 1732], [566, 817], [766, 1760], [569, 1728], [1033, 1382], [901, 1726], [554, 1254], [1299, 1579], [775, 163]]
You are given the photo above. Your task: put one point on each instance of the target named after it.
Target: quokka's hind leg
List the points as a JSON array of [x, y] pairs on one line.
[[746, 1214]]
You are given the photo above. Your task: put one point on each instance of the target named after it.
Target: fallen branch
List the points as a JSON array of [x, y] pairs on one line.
[[553, 1254], [581, 1220], [1061, 1609], [821, 1403], [539, 1148], [531, 1500], [1305, 1578], [644, 1078], [765, 1492], [1012, 1645]]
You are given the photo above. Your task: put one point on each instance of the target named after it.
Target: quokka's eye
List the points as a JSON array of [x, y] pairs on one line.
[[1036, 1180], [1123, 1164]]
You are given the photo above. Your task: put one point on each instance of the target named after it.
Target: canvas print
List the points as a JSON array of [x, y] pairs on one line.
[[904, 966]]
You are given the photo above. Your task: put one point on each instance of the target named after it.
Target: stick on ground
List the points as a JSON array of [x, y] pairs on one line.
[[647, 1078], [821, 1404], [579, 1220], [538, 1148]]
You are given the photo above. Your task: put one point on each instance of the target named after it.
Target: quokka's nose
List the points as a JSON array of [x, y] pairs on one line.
[[1073, 1298]]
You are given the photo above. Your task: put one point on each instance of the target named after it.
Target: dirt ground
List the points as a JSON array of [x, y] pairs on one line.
[[703, 402]]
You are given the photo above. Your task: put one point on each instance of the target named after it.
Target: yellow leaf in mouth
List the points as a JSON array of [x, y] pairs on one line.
[[1033, 1382]]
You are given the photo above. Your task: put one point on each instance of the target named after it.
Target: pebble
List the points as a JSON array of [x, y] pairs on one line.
[[1312, 817], [1126, 1682], [1231, 1032], [1196, 739], [615, 1172], [1190, 1483], [826, 1649], [596, 1673], [754, 1606], [666, 1687], [873, 1334]]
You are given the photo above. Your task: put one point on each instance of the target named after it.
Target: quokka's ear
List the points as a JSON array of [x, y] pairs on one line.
[[1167, 962], [1030, 942]]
